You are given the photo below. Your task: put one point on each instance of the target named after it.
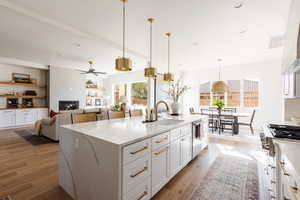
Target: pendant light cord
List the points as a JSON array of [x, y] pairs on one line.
[[124, 29], [150, 42], [168, 53]]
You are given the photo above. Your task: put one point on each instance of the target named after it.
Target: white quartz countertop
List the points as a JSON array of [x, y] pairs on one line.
[[128, 130]]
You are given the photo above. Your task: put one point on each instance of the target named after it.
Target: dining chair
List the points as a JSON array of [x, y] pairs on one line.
[[135, 113], [227, 120], [116, 114], [192, 110], [230, 110], [212, 119], [83, 118], [103, 115], [250, 123]]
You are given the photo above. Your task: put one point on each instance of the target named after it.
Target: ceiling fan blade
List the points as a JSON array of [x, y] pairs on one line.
[[100, 72], [81, 70]]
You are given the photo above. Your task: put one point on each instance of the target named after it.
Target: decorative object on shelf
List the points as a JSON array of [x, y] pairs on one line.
[[12, 102], [123, 63], [168, 76], [91, 70], [117, 107], [219, 86], [150, 71], [27, 103], [99, 102], [220, 104], [176, 90], [89, 102], [21, 78], [91, 84], [123, 101], [30, 93]]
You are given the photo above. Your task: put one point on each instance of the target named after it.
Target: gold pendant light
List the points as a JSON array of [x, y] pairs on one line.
[[123, 63], [168, 76], [150, 71], [219, 86]]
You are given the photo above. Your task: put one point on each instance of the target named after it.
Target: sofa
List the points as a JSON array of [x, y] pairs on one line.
[[50, 127]]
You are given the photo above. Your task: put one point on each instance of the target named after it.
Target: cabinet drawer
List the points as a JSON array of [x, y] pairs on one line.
[[186, 130], [141, 192], [136, 172], [136, 150], [160, 140], [175, 134]]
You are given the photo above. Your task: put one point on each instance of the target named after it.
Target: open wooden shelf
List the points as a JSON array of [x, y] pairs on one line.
[[21, 96], [22, 84]]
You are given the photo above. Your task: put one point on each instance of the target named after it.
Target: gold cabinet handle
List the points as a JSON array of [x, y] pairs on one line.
[[273, 182], [138, 173], [140, 150], [272, 167], [295, 188], [143, 195], [282, 162], [273, 197], [160, 141], [161, 151], [285, 198], [286, 174]]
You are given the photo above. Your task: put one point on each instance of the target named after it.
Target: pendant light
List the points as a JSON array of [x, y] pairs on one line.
[[168, 76], [123, 63], [219, 86], [150, 71]]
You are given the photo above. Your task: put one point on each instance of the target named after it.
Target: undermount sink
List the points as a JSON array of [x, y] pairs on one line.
[[167, 122]]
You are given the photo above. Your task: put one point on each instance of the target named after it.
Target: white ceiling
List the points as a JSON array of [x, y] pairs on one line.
[[71, 32]]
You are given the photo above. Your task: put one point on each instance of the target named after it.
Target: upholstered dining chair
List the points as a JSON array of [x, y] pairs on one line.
[[85, 117], [250, 123], [116, 114], [135, 113]]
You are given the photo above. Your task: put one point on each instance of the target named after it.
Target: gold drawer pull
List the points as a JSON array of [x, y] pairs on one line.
[[285, 198], [286, 174], [161, 151], [273, 182], [294, 188], [282, 162], [143, 195], [273, 197], [272, 167], [138, 151], [160, 141], [138, 173]]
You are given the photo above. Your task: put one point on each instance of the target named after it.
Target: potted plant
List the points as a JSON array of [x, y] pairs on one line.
[[220, 104], [176, 90]]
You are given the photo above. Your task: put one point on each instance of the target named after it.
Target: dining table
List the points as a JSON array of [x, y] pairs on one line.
[[234, 115]]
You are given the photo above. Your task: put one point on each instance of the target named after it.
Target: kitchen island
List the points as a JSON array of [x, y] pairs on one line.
[[125, 159]]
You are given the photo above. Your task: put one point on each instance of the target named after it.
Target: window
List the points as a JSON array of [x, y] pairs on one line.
[[251, 93], [120, 90], [242, 93], [234, 94], [205, 94], [139, 93]]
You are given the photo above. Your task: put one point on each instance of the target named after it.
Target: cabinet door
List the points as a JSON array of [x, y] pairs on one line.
[[175, 157], [160, 168], [25, 117], [186, 149], [42, 114], [7, 118]]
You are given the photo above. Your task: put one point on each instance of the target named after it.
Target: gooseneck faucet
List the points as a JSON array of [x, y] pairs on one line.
[[156, 108]]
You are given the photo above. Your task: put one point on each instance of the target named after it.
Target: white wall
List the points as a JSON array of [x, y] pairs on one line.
[[269, 74], [66, 84], [6, 71]]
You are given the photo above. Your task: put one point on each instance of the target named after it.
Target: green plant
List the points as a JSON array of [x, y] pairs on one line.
[[176, 89], [219, 103], [117, 107]]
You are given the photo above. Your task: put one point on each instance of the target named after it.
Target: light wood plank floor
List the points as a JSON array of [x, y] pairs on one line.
[[30, 172]]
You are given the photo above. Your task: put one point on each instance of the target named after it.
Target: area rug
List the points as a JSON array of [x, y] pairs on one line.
[[229, 178], [33, 139]]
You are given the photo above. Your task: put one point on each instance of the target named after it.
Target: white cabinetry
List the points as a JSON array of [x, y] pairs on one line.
[[175, 157], [7, 118], [21, 117], [160, 168], [25, 116], [186, 149]]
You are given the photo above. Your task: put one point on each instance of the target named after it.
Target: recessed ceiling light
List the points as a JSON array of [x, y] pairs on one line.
[[238, 4], [243, 32]]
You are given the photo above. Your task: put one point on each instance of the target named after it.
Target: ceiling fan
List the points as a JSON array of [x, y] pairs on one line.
[[91, 70]]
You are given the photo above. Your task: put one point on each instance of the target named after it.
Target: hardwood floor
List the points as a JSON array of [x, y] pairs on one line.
[[30, 172]]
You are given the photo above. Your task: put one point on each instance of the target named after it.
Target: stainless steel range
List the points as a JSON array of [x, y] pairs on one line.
[[285, 131]]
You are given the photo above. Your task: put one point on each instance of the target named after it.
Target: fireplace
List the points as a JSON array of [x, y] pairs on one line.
[[68, 105]]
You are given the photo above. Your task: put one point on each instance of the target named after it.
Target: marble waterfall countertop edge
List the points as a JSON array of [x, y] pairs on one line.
[[127, 131]]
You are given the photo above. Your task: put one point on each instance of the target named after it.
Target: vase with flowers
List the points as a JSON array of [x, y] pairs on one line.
[[176, 90], [220, 105]]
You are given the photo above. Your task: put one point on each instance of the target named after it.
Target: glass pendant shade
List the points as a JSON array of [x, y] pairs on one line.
[[123, 63]]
